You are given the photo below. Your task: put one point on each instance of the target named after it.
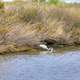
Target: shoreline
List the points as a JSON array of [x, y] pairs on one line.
[[4, 49]]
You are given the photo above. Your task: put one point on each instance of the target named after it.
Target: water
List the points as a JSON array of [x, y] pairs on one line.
[[40, 67]]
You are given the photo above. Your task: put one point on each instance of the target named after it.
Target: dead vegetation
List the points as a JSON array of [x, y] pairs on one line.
[[29, 24]]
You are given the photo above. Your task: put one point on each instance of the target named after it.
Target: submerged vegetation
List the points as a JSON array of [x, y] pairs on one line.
[[24, 26]]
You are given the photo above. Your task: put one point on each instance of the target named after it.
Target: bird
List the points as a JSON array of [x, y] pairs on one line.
[[44, 46], [51, 50]]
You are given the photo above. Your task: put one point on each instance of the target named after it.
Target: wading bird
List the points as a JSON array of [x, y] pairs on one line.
[[50, 49]]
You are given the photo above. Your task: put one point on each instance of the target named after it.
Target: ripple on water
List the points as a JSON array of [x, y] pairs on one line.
[[40, 67]]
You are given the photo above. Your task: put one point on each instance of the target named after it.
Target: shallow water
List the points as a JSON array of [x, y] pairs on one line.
[[40, 67]]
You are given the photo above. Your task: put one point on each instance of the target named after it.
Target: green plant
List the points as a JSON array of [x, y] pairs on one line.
[[1, 5], [38, 0], [54, 1]]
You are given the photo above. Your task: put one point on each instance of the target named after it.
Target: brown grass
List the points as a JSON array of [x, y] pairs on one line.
[[29, 24]]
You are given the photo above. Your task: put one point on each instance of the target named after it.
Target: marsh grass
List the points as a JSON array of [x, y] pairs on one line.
[[59, 23]]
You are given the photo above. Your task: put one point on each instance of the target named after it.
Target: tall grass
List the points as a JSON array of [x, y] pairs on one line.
[[59, 23]]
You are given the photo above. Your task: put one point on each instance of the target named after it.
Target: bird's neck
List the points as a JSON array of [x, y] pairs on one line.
[[50, 49]]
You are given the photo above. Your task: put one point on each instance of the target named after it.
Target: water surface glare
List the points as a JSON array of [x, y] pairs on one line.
[[40, 67]]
